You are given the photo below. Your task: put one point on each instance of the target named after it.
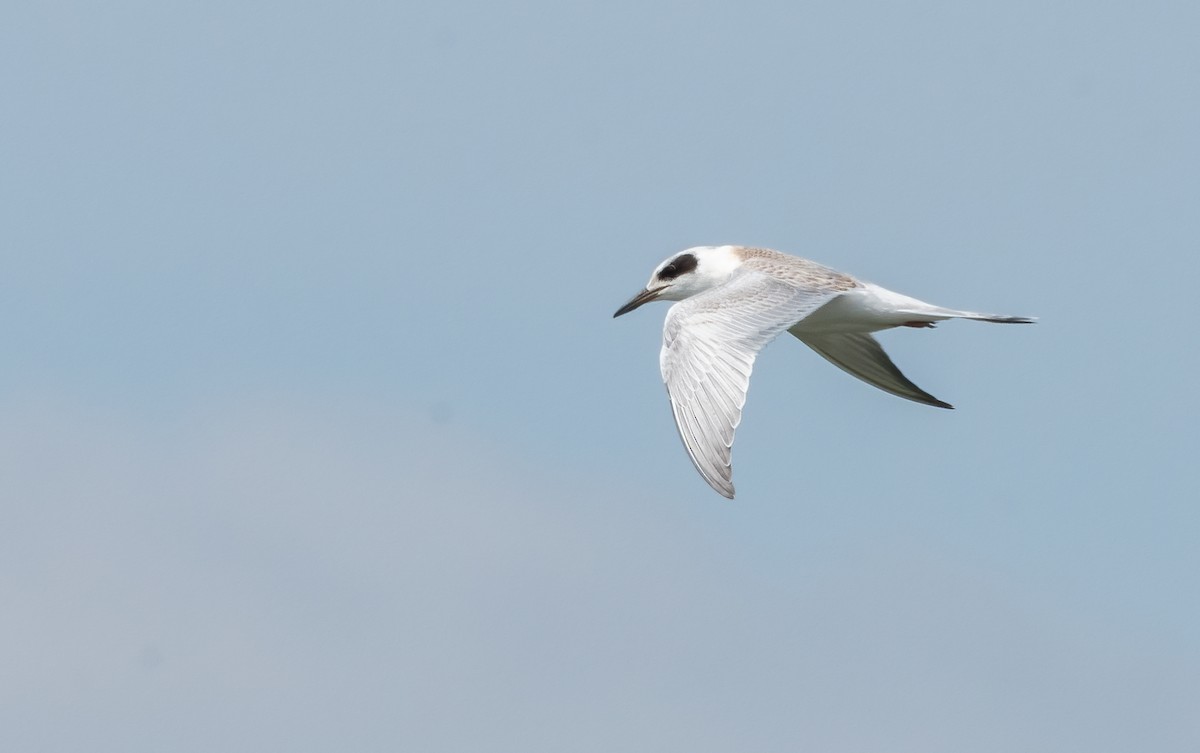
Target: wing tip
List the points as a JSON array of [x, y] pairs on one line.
[[722, 486]]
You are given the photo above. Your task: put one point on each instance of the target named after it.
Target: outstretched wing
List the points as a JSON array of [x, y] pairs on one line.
[[710, 342], [861, 355]]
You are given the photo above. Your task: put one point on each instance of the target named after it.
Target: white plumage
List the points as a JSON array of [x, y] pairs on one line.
[[733, 300]]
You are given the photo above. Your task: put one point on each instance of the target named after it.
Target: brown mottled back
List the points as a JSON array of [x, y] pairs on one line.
[[794, 269]]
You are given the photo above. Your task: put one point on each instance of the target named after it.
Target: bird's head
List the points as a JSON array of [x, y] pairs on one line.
[[685, 274]]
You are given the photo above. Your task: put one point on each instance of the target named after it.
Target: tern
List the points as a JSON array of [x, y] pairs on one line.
[[733, 300]]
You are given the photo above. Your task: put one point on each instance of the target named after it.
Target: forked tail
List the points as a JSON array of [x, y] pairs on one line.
[[995, 318]]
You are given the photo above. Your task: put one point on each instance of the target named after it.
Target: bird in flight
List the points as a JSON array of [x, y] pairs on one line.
[[733, 300]]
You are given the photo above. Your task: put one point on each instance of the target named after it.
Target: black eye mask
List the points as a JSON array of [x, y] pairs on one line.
[[681, 264]]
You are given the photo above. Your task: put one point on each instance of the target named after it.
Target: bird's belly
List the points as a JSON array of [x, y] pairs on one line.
[[858, 310]]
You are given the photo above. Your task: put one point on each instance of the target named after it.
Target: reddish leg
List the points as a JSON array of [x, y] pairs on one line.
[[919, 325]]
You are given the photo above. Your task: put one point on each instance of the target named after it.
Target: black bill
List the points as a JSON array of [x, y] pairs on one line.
[[643, 297]]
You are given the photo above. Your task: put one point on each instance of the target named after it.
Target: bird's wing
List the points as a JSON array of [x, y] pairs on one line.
[[710, 342], [861, 355]]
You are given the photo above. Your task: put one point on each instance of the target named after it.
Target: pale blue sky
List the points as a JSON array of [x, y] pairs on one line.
[[318, 435]]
